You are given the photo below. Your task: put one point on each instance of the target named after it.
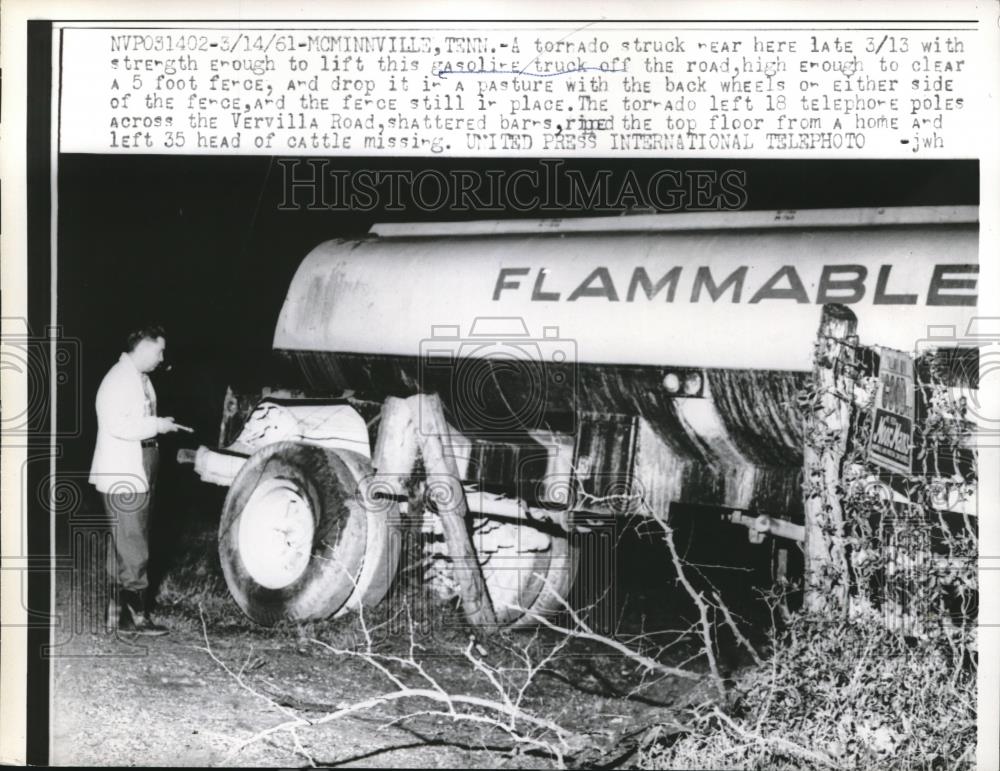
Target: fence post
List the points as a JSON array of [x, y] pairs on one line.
[[452, 508], [828, 422]]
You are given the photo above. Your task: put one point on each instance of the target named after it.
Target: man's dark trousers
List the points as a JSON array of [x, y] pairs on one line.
[[129, 511]]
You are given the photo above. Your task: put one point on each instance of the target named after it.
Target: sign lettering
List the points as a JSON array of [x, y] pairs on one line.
[[949, 284], [891, 443]]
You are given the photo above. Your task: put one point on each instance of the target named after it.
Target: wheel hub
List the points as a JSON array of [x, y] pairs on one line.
[[275, 533]]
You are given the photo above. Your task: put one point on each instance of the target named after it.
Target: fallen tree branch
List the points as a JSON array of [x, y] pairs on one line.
[[699, 601], [776, 741], [731, 623], [504, 713], [585, 632]]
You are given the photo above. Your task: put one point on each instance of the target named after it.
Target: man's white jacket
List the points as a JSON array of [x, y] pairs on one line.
[[121, 426]]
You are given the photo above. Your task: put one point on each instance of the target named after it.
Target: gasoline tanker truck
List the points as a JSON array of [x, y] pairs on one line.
[[586, 368]]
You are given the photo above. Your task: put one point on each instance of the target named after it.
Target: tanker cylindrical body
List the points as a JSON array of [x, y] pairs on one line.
[[543, 324]]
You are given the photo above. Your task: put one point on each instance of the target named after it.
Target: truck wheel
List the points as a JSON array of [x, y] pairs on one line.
[[293, 534], [529, 573], [383, 541]]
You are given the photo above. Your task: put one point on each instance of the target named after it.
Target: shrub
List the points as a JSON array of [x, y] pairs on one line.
[[837, 695]]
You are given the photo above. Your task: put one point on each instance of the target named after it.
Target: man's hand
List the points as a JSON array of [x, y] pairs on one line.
[[168, 426]]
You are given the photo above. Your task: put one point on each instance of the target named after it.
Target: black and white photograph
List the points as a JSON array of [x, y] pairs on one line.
[[574, 445]]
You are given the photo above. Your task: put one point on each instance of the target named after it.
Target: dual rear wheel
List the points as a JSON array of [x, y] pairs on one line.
[[298, 543]]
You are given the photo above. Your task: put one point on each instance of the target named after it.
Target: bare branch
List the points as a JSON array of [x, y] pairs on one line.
[[776, 741], [696, 596], [504, 713], [584, 632], [735, 629]]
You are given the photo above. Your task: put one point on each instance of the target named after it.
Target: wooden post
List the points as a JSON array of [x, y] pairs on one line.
[[393, 459], [827, 426], [449, 497], [396, 445]]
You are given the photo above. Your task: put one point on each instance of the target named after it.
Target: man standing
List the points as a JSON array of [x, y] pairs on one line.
[[124, 472]]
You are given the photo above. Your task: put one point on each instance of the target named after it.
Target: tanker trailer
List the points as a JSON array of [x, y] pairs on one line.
[[588, 368]]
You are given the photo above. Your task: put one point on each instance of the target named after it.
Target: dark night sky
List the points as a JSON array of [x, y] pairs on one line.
[[201, 245]]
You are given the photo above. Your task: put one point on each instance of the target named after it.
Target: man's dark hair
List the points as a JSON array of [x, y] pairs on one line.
[[148, 332]]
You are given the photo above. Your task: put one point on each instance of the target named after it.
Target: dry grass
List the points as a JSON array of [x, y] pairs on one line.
[[836, 696]]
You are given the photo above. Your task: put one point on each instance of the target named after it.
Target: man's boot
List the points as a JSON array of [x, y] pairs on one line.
[[134, 619]]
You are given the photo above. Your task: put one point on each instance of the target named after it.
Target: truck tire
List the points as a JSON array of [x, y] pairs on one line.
[[527, 583], [293, 534], [383, 541], [559, 569]]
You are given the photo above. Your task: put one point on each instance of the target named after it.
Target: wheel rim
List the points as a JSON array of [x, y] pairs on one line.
[[276, 530]]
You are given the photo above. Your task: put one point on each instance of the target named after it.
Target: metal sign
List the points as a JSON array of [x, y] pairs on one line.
[[891, 442]]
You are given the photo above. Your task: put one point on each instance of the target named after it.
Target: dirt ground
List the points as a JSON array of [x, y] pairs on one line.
[[167, 701]]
